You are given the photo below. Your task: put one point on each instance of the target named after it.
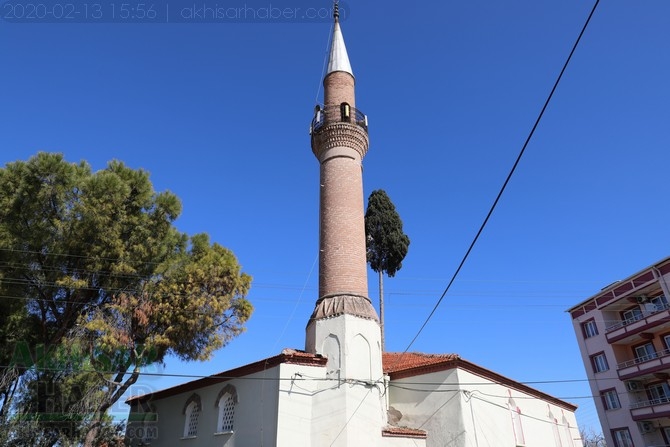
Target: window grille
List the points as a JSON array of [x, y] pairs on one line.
[[226, 413], [194, 414]]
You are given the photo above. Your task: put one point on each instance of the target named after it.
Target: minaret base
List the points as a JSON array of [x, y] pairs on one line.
[[351, 342], [354, 384]]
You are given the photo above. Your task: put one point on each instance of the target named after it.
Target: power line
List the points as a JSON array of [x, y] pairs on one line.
[[406, 385], [70, 255], [145, 264], [474, 396], [504, 186]]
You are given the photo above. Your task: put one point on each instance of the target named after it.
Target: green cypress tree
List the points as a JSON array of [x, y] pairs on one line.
[[386, 244]]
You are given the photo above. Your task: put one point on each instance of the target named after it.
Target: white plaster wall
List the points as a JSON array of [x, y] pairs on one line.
[[402, 442], [467, 410], [431, 402], [255, 414], [543, 423], [359, 342], [308, 395], [296, 391], [348, 408], [347, 414]]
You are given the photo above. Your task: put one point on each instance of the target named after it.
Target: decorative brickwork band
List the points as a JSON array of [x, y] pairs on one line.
[[340, 135], [333, 305]]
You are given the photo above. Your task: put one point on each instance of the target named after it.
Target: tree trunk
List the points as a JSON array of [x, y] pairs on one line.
[[381, 307], [113, 396], [92, 434]]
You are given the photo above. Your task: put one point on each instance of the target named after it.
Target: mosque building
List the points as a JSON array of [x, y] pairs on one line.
[[342, 389]]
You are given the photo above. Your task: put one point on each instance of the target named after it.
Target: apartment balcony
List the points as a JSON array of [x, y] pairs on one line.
[[647, 365], [644, 322], [650, 409]]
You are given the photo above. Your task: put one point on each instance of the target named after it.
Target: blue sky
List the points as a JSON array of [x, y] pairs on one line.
[[219, 113]]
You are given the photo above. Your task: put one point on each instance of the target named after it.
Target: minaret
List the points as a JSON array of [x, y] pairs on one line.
[[344, 326]]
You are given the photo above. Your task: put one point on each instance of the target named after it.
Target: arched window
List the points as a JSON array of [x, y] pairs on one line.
[[345, 112], [149, 425], [567, 432], [517, 426], [554, 428], [191, 415], [226, 402]]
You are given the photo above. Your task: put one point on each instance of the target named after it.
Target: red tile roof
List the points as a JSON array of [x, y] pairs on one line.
[[397, 361], [403, 432]]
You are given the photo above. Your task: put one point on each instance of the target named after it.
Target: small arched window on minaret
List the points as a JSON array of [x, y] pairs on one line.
[[345, 112]]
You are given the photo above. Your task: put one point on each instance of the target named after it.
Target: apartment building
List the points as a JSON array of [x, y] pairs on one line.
[[623, 334]]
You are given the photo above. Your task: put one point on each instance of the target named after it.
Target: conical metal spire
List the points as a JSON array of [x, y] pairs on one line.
[[339, 60]]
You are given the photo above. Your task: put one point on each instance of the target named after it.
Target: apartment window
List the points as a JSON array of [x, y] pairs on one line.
[[644, 352], [226, 405], [599, 362], [589, 328], [191, 415], [631, 315], [660, 302], [658, 393], [622, 438], [610, 399]]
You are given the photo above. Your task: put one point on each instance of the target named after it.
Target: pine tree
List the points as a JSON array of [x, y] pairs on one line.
[[98, 283]]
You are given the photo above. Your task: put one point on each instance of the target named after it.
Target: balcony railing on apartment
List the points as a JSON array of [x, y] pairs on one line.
[[650, 403], [643, 359], [638, 317]]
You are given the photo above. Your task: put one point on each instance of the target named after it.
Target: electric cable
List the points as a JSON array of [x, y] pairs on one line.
[[504, 186]]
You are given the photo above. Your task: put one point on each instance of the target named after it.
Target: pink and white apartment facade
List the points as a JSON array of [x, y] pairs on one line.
[[623, 334]]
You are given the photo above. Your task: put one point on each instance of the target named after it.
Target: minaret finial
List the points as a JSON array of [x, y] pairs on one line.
[[339, 61]]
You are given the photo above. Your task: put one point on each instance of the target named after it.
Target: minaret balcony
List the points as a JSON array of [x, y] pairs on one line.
[[324, 115]]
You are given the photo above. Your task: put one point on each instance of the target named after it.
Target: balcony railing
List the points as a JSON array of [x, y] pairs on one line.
[[649, 403], [337, 114], [644, 314], [644, 359]]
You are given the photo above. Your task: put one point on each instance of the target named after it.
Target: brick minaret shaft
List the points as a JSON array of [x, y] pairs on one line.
[[340, 141], [347, 410]]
